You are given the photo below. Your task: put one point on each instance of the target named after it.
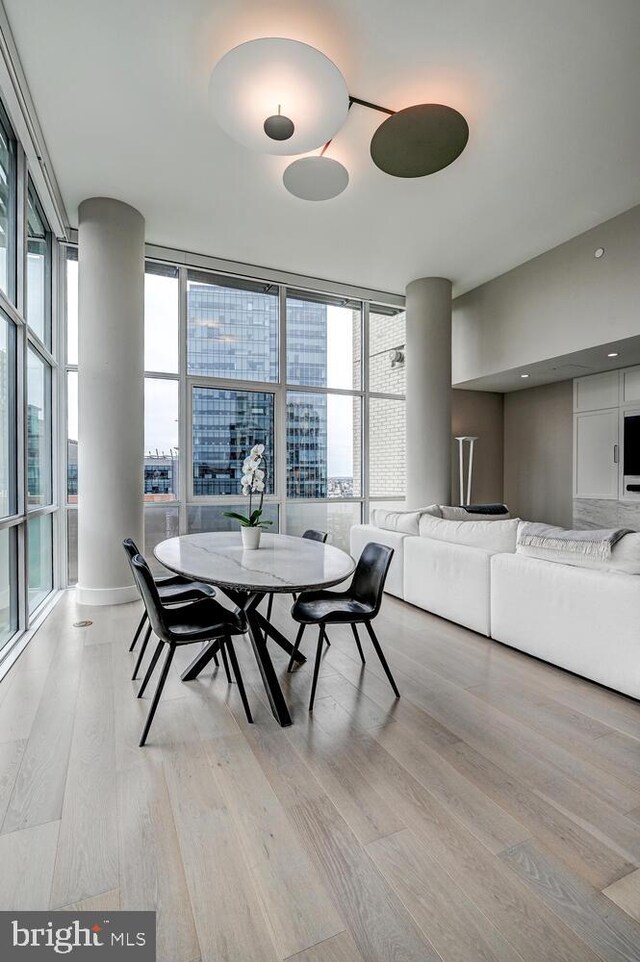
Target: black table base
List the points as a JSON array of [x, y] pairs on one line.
[[259, 629]]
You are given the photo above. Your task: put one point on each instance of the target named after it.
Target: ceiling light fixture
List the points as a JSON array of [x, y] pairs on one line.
[[278, 96], [524, 375], [255, 77], [279, 127], [613, 354]]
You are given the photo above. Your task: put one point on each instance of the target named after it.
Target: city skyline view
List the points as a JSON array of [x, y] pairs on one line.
[[161, 355]]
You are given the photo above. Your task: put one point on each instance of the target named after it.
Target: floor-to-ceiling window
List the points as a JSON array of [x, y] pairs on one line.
[[28, 496], [232, 361]]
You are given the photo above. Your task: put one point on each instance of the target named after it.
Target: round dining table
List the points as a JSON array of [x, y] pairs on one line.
[[281, 565]]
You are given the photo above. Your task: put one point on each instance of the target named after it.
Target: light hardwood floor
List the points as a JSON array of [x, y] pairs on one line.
[[492, 813]]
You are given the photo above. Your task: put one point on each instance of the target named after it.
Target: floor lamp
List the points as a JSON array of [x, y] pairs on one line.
[[465, 500]]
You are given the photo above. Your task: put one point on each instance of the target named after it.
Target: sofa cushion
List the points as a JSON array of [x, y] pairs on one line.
[[450, 580], [585, 621], [458, 513], [490, 535], [624, 558], [405, 522]]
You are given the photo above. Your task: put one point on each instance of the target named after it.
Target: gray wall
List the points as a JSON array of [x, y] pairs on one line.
[[538, 458], [562, 301], [480, 414]]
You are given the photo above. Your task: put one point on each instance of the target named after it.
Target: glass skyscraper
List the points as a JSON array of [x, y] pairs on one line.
[[232, 334]]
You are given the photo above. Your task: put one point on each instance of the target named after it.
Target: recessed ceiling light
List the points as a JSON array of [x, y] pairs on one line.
[[613, 354], [524, 375], [598, 252]]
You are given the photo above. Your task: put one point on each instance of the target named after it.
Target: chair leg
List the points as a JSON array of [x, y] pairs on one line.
[[138, 630], [152, 665], [296, 645], [269, 607], [141, 655], [383, 660], [215, 659], [228, 643], [357, 638], [225, 663], [158, 692], [316, 667]]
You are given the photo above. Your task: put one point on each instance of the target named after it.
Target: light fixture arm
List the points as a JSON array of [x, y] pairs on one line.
[[361, 103], [370, 106]]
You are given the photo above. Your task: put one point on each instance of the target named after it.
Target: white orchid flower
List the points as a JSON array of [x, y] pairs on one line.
[[257, 450], [245, 489], [259, 474], [258, 486], [246, 479]]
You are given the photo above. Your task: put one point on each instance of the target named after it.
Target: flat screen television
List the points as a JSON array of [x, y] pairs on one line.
[[632, 444]]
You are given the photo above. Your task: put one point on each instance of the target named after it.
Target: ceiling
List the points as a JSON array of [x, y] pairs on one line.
[[550, 91], [590, 360]]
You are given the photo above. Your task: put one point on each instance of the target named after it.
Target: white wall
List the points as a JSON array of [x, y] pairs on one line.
[[562, 301]]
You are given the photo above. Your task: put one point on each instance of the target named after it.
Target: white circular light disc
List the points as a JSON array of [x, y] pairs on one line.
[[261, 77], [315, 178]]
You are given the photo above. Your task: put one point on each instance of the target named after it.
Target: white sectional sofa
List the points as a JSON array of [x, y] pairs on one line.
[[579, 614]]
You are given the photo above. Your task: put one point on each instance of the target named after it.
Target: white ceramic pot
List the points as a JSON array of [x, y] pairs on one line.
[[250, 537]]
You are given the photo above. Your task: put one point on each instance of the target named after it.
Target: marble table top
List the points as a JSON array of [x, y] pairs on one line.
[[281, 563]]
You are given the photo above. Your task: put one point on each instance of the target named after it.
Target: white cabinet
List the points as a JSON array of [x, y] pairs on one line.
[[596, 446], [630, 385], [596, 392]]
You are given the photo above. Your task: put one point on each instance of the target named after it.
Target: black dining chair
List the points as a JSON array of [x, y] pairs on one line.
[[311, 535], [173, 590], [204, 620], [358, 605]]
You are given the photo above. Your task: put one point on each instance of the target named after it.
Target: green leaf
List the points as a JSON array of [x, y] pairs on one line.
[[237, 517]]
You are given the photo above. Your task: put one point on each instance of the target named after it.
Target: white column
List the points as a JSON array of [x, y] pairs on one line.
[[111, 397], [428, 361]]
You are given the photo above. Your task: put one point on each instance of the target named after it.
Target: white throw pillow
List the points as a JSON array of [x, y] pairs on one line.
[[405, 522], [451, 513], [625, 556], [498, 536]]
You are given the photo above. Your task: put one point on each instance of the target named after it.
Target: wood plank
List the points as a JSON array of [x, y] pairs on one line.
[[608, 930], [360, 805], [341, 948], [39, 787], [292, 896], [597, 860], [22, 889], [10, 758], [151, 871], [20, 704], [480, 814], [533, 930], [87, 862], [547, 716], [507, 741], [227, 911], [381, 927], [626, 894], [105, 902], [453, 924]]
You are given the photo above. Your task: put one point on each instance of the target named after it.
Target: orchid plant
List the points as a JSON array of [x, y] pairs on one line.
[[253, 483]]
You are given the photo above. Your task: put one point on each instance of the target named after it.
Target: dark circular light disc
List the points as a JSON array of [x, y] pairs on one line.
[[419, 140], [279, 127]]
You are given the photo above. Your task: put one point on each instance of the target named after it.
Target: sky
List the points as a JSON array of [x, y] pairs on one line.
[[161, 396]]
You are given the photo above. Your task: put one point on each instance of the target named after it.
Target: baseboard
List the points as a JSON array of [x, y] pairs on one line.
[[106, 596]]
